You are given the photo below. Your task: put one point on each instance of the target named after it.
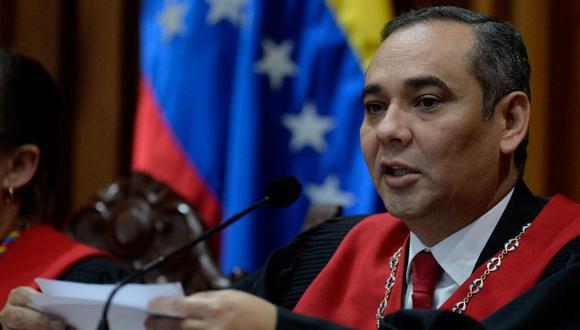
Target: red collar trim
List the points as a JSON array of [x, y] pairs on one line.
[[41, 251], [349, 288]]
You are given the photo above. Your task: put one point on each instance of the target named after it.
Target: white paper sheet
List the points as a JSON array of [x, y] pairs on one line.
[[81, 305]]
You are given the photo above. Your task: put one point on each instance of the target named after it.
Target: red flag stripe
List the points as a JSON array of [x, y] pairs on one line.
[[158, 153]]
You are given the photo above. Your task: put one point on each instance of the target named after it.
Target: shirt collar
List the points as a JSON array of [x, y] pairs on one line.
[[458, 253]]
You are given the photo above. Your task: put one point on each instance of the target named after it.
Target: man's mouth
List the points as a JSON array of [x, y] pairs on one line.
[[398, 174], [397, 168], [399, 171]]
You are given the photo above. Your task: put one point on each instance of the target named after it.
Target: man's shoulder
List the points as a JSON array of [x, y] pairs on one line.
[[340, 226], [562, 201]]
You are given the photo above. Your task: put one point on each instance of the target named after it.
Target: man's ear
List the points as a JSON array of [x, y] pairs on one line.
[[514, 110], [22, 163]]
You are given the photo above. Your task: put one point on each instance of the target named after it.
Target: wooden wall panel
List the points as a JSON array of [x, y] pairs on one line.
[[35, 30], [531, 18], [97, 98], [563, 160]]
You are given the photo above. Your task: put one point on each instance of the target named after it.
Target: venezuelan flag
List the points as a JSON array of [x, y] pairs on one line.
[[235, 93]]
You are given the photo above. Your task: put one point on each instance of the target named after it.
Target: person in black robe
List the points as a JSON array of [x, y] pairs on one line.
[[29, 116], [447, 108]]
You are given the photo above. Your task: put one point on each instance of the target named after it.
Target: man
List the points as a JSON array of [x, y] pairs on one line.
[[447, 109]]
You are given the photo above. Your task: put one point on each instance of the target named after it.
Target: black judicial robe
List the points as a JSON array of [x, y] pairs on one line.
[[550, 303]]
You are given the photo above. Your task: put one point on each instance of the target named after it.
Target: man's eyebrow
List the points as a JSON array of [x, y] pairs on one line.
[[426, 81], [370, 89], [414, 83]]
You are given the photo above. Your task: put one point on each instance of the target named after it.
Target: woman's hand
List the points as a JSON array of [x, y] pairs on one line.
[[223, 309], [17, 313]]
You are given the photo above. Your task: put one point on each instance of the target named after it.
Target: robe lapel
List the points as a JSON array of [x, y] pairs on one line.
[[521, 209]]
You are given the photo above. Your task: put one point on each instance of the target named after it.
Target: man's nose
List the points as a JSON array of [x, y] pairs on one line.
[[393, 128]]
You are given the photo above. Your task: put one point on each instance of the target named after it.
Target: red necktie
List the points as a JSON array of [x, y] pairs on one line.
[[426, 273]]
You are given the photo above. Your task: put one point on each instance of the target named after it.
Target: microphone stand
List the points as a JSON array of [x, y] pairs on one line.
[[104, 323]]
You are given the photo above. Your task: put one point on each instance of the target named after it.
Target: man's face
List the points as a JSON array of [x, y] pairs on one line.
[[429, 150]]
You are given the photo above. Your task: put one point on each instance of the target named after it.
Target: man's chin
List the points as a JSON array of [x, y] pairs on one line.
[[403, 210], [405, 215], [405, 206]]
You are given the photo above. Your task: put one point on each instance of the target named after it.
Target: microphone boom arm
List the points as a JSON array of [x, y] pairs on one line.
[[104, 324]]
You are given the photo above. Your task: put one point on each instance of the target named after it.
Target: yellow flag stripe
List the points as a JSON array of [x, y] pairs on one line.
[[362, 22]]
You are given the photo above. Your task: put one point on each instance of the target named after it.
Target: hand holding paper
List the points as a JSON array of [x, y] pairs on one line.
[[222, 309], [80, 305]]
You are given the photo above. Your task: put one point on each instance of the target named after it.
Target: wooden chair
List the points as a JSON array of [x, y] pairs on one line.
[[137, 219]]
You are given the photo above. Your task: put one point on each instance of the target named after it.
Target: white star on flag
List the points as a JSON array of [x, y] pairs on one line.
[[329, 193], [308, 128], [171, 19], [230, 10], [276, 62]]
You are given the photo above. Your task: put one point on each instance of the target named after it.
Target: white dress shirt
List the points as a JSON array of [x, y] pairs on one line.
[[456, 254]]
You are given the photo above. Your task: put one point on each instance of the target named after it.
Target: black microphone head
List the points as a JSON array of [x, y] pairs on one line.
[[283, 191]]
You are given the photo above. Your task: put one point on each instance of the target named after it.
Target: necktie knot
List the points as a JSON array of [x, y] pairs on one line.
[[426, 273]]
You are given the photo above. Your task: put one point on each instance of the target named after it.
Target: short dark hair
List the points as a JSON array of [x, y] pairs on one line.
[[499, 60], [29, 114]]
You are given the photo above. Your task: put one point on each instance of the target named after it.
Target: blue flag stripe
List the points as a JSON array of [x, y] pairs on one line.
[[270, 91]]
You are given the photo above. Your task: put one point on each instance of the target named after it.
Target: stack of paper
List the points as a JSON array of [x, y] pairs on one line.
[[80, 305]]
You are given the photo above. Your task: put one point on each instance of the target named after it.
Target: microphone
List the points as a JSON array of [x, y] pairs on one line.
[[282, 192]]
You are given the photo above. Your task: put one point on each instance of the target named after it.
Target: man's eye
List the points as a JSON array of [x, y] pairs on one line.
[[374, 108], [428, 102]]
